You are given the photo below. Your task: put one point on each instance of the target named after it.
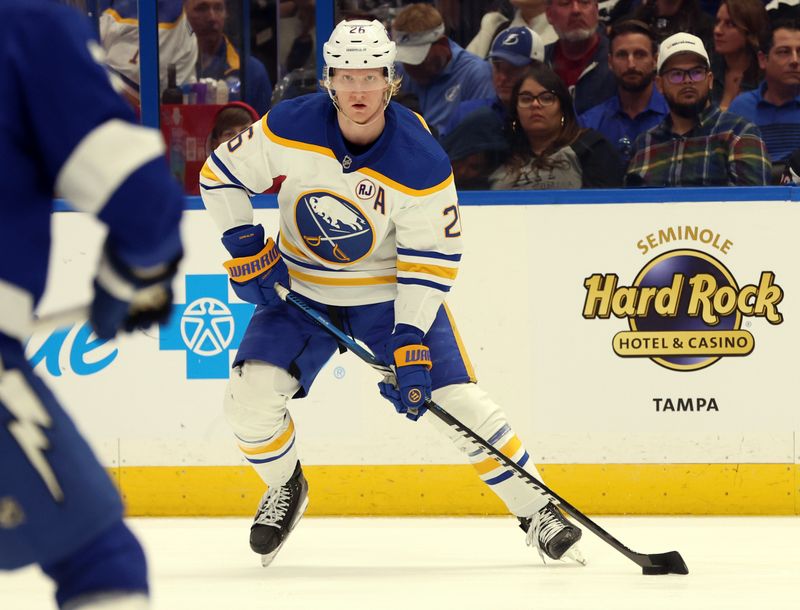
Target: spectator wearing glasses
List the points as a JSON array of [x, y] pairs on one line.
[[474, 139], [549, 149], [512, 52], [697, 144], [580, 55], [739, 29], [775, 106], [638, 105]]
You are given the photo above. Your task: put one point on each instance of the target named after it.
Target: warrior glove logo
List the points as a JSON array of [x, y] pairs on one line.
[[684, 309], [333, 228]]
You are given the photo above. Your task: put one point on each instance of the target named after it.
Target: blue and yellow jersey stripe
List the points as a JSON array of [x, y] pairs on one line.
[[509, 444], [431, 269], [269, 450]]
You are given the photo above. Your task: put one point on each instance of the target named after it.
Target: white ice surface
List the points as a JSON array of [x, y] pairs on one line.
[[454, 563]]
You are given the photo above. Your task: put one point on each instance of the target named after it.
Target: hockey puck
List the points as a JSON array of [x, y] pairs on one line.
[[651, 570]]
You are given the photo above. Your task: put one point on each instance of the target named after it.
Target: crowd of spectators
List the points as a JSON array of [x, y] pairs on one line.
[[643, 93], [548, 94]]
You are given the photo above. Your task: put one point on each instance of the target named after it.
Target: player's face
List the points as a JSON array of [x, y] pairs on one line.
[[632, 61], [782, 64], [360, 93], [541, 116], [371, 79], [728, 36]]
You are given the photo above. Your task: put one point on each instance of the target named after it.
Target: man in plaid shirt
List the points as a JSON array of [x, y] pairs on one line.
[[696, 144]]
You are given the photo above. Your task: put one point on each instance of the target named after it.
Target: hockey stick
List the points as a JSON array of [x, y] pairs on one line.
[[142, 299], [657, 563], [60, 319]]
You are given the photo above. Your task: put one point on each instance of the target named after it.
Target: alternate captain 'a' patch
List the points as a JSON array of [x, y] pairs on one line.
[[333, 228]]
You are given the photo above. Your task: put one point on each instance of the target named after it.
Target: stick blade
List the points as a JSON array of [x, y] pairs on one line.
[[665, 563]]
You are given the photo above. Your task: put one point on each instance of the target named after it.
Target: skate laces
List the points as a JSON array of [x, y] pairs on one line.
[[545, 524], [275, 506]]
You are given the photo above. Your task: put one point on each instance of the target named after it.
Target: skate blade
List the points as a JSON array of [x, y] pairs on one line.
[[574, 554], [269, 557]]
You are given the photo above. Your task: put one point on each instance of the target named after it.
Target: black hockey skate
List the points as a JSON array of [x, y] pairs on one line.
[[279, 511], [552, 535]]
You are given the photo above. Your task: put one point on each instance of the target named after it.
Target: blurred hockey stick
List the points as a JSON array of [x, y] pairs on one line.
[[657, 563], [150, 297], [60, 319]]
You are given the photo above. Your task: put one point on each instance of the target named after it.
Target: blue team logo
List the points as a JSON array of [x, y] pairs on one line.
[[333, 228], [207, 327]]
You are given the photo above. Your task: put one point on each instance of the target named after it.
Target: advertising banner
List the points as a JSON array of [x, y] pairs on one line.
[[616, 336]]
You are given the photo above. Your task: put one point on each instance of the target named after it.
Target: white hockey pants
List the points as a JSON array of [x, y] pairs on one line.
[[256, 409]]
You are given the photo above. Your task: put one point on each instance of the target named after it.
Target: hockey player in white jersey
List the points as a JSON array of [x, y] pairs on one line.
[[64, 129], [119, 35], [369, 231]]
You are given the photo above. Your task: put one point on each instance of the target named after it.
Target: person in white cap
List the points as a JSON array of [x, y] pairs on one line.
[[513, 50], [697, 144], [369, 231], [435, 69]]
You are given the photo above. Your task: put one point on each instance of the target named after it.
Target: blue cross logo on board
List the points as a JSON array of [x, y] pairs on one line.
[[206, 327]]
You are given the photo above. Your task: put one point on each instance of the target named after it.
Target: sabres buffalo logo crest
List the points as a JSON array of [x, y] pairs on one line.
[[333, 228]]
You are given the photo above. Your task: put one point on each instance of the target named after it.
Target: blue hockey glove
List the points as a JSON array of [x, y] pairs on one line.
[[412, 362], [255, 266], [129, 298]]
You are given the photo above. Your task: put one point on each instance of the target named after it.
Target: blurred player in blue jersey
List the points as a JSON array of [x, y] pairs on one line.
[[64, 130], [369, 232]]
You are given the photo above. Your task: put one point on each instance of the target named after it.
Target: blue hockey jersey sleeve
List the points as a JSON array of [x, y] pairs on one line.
[[65, 132], [77, 122]]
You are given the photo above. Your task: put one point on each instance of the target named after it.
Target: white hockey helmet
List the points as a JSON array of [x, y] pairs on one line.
[[359, 44]]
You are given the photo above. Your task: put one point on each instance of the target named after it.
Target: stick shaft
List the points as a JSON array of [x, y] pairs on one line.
[[640, 559], [60, 319]]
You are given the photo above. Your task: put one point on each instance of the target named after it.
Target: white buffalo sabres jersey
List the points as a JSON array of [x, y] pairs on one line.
[[354, 229], [177, 44]]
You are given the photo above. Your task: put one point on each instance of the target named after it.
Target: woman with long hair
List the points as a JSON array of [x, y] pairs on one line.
[[549, 149], [739, 28]]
